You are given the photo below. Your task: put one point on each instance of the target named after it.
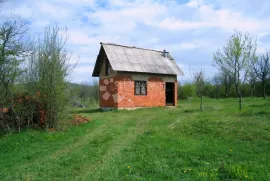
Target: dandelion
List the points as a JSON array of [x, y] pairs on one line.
[[230, 150], [129, 167]]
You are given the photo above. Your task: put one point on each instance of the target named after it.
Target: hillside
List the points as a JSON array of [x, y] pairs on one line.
[[180, 143]]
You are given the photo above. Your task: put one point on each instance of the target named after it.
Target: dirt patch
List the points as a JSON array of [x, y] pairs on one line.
[[78, 119]]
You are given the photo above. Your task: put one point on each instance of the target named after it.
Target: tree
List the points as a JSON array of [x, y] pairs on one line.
[[200, 82], [227, 81], [235, 59], [84, 91], [48, 71], [13, 51], [217, 82], [252, 82], [261, 68]]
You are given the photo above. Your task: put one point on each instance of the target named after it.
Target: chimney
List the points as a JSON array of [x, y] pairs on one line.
[[165, 54]]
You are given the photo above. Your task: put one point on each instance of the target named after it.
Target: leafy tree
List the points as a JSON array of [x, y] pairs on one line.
[[217, 82], [252, 82], [235, 59], [13, 51], [261, 68], [48, 71]]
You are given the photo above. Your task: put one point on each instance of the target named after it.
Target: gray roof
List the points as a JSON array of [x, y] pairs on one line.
[[133, 59]]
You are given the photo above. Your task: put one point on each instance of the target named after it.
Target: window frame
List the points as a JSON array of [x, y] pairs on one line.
[[140, 94]]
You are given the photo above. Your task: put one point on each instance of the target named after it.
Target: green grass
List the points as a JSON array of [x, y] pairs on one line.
[[181, 143]]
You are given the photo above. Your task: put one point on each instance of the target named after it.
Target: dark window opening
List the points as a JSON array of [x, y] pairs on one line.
[[108, 67], [140, 88]]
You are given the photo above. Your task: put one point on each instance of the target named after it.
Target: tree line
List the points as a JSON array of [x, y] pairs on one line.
[[242, 72]]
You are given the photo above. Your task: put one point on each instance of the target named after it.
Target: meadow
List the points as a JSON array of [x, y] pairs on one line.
[[183, 143]]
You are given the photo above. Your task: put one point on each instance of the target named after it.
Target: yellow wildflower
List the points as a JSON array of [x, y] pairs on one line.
[[129, 166]]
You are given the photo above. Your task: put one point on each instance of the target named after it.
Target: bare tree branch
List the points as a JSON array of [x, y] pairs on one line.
[[199, 80], [261, 68]]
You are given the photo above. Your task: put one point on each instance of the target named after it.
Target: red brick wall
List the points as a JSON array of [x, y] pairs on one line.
[[122, 87], [175, 93]]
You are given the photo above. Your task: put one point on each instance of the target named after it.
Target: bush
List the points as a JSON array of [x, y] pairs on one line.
[[186, 91]]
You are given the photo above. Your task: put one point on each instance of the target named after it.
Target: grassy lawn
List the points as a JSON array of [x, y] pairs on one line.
[[180, 143]]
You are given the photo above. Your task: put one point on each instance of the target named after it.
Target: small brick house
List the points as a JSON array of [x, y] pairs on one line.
[[131, 77]]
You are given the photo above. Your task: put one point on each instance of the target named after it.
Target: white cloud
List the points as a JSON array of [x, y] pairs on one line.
[[82, 74], [125, 19], [80, 37], [178, 47], [77, 2], [194, 3], [176, 24], [209, 18], [186, 46], [52, 10], [84, 69]]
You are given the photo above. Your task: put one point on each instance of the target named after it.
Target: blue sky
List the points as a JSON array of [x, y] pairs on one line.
[[192, 30]]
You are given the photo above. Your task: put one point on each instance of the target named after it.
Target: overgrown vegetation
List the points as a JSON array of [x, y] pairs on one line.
[[48, 69], [183, 143], [43, 82]]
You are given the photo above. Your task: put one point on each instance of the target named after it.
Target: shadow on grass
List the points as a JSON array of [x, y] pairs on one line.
[[260, 105], [250, 113], [87, 111], [191, 110]]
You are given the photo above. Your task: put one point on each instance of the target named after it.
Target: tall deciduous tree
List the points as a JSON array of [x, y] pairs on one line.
[[13, 50], [12, 53], [235, 59], [261, 68]]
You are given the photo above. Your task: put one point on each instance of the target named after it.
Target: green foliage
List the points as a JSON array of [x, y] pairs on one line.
[[236, 58], [12, 50], [12, 55], [183, 143], [186, 91], [48, 70]]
